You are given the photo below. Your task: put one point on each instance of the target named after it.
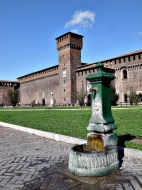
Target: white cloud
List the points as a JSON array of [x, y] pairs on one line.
[[82, 18], [139, 33]]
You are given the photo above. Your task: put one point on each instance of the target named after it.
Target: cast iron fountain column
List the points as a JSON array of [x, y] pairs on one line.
[[99, 156]]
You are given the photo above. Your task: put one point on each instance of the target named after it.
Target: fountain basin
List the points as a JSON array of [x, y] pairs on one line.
[[85, 163]]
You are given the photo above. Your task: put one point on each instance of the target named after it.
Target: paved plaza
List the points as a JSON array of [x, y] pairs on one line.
[[31, 162]]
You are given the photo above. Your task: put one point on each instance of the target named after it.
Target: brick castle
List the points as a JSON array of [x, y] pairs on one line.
[[59, 84]]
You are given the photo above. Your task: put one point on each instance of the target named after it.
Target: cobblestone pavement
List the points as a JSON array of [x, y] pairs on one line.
[[31, 162]]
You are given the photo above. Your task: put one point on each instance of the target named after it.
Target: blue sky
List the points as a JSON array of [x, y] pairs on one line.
[[28, 29]]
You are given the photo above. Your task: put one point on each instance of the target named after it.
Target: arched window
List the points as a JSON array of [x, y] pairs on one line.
[[124, 74]]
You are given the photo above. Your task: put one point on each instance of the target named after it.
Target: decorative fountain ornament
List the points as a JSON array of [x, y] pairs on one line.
[[99, 156]]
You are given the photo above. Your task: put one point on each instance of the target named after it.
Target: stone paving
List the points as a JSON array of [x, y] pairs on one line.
[[31, 162]]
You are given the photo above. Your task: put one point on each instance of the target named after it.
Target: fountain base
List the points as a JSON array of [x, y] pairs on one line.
[[85, 163]]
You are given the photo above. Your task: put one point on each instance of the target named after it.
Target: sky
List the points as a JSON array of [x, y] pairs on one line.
[[28, 29]]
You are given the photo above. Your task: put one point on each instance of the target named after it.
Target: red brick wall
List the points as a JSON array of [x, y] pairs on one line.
[[69, 48], [133, 65], [65, 88], [33, 90], [5, 86]]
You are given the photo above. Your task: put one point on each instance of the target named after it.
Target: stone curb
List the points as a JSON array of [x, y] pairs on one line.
[[53, 136], [66, 139]]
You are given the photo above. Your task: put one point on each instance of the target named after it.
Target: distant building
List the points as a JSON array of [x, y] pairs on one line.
[[5, 86], [59, 84]]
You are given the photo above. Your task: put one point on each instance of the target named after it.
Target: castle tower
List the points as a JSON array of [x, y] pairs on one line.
[[69, 47]]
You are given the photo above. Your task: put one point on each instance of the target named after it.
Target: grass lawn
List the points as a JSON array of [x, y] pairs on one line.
[[74, 122]]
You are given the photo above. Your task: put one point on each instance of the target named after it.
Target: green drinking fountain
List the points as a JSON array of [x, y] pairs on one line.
[[99, 156]]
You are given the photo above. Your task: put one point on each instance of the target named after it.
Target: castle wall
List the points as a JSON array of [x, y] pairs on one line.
[[39, 74], [34, 89], [4, 100], [82, 84], [68, 78], [128, 71], [5, 86]]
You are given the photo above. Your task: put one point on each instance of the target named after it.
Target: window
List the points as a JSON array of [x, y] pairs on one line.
[[64, 73], [124, 74]]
